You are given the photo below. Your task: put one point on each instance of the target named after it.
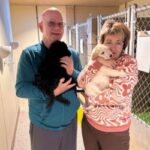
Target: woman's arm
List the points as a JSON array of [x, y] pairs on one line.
[[121, 89], [88, 73]]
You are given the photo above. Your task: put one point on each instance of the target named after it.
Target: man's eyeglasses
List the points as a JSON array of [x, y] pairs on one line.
[[53, 24]]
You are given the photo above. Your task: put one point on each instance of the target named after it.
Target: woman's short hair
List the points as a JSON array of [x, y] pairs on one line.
[[111, 27]]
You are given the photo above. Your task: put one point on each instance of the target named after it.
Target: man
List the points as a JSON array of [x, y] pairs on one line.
[[51, 128]]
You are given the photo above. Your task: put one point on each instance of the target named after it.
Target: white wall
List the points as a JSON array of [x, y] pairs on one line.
[[8, 101]]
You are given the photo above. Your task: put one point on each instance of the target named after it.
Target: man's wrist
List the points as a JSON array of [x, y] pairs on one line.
[[55, 93]]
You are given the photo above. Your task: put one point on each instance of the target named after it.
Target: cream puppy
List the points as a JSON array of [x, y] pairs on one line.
[[101, 80]]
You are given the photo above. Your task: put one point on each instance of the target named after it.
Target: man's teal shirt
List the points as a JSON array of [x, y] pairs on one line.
[[59, 115]]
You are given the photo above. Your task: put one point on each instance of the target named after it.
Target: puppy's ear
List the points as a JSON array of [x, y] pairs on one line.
[[95, 52]]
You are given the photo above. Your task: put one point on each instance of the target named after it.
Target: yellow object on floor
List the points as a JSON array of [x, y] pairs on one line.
[[79, 115], [81, 97]]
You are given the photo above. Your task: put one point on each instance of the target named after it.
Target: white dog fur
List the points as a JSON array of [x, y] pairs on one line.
[[101, 80]]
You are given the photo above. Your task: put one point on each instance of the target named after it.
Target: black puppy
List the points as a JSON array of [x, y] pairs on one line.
[[50, 71]]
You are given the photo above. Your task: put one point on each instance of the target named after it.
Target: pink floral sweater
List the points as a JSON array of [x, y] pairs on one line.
[[112, 106]]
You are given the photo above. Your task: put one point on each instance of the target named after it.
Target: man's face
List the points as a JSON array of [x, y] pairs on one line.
[[52, 27]]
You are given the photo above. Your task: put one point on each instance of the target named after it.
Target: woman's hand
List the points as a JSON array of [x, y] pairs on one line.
[[63, 86], [67, 63]]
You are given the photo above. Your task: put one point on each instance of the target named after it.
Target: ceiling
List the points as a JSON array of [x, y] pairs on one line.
[[71, 2]]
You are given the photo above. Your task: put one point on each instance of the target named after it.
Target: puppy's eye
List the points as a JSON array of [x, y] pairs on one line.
[[102, 53]]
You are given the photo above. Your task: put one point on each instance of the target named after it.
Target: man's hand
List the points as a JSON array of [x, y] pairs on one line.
[[67, 63], [63, 86]]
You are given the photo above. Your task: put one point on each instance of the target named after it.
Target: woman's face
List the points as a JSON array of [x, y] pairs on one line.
[[115, 43]]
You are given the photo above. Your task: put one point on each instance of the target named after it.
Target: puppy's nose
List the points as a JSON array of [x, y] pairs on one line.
[[110, 55]]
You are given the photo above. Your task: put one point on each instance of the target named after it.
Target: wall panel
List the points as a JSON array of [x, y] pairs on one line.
[[3, 138]]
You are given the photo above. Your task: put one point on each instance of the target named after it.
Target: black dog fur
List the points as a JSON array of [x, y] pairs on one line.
[[50, 71]]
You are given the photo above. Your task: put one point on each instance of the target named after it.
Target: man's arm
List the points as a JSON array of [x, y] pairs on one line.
[[25, 87]]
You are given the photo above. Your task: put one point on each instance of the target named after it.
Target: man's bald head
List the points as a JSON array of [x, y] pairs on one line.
[[51, 25], [50, 11]]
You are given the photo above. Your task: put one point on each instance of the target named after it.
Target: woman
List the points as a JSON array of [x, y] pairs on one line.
[[106, 125]]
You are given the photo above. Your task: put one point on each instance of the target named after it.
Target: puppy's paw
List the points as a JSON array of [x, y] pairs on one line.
[[81, 98], [122, 74], [90, 107], [92, 91]]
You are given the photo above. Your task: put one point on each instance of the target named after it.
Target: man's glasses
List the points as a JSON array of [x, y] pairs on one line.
[[53, 24]]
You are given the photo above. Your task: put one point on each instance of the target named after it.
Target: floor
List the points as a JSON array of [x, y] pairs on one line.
[[22, 140], [139, 133]]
